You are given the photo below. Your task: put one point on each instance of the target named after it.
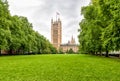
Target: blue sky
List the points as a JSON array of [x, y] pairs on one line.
[[40, 12]]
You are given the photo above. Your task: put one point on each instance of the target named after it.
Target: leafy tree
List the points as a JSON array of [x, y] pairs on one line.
[[4, 25], [100, 27], [110, 35], [70, 51], [60, 51], [90, 33], [17, 35]]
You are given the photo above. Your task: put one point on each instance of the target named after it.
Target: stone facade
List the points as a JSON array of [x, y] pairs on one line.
[[67, 47], [56, 37], [70, 45], [56, 33]]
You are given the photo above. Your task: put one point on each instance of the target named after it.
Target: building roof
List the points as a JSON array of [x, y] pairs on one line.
[[69, 45]]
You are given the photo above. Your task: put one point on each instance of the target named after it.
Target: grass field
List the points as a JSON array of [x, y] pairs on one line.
[[59, 68]]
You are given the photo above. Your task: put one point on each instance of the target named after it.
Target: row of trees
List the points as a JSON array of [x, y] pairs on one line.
[[17, 35], [100, 28]]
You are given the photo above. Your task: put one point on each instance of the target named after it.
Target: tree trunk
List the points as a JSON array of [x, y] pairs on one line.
[[0, 51], [96, 53], [10, 52], [39, 51], [119, 56], [107, 55], [100, 53], [23, 52]]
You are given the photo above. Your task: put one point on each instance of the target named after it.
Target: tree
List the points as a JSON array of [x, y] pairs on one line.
[[100, 27], [90, 33], [17, 35], [111, 35], [70, 51], [5, 34]]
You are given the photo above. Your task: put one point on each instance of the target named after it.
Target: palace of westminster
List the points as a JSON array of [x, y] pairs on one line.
[[56, 37]]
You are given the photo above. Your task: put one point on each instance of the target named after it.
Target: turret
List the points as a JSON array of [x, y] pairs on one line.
[[52, 20], [72, 40]]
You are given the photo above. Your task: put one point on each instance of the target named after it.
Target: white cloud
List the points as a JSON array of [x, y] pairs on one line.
[[40, 12]]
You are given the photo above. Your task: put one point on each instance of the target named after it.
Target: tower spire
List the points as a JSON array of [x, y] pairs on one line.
[[72, 40], [52, 20]]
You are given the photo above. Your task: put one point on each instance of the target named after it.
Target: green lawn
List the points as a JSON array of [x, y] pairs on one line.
[[59, 68]]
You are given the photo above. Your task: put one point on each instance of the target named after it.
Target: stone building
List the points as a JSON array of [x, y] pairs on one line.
[[56, 37], [70, 45], [56, 33]]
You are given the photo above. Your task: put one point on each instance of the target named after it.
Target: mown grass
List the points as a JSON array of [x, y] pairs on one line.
[[59, 68]]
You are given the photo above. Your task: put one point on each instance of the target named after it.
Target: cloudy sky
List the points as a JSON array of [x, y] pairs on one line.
[[40, 12]]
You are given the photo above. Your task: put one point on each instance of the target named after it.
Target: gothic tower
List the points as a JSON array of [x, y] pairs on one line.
[[72, 40], [56, 33]]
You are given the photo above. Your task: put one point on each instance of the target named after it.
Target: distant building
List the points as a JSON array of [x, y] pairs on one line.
[[70, 45], [56, 37], [56, 33]]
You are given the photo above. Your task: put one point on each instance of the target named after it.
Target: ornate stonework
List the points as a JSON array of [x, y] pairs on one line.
[[56, 33], [70, 45], [56, 37]]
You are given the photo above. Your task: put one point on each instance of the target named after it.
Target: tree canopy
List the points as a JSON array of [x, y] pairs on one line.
[[17, 35], [100, 28]]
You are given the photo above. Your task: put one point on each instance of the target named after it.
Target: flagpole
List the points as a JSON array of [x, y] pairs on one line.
[[56, 16]]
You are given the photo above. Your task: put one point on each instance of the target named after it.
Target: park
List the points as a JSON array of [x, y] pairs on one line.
[[28, 54], [59, 67]]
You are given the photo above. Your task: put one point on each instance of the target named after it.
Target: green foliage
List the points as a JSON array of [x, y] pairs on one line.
[[70, 51], [89, 37], [60, 51], [100, 27], [68, 67], [17, 35]]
